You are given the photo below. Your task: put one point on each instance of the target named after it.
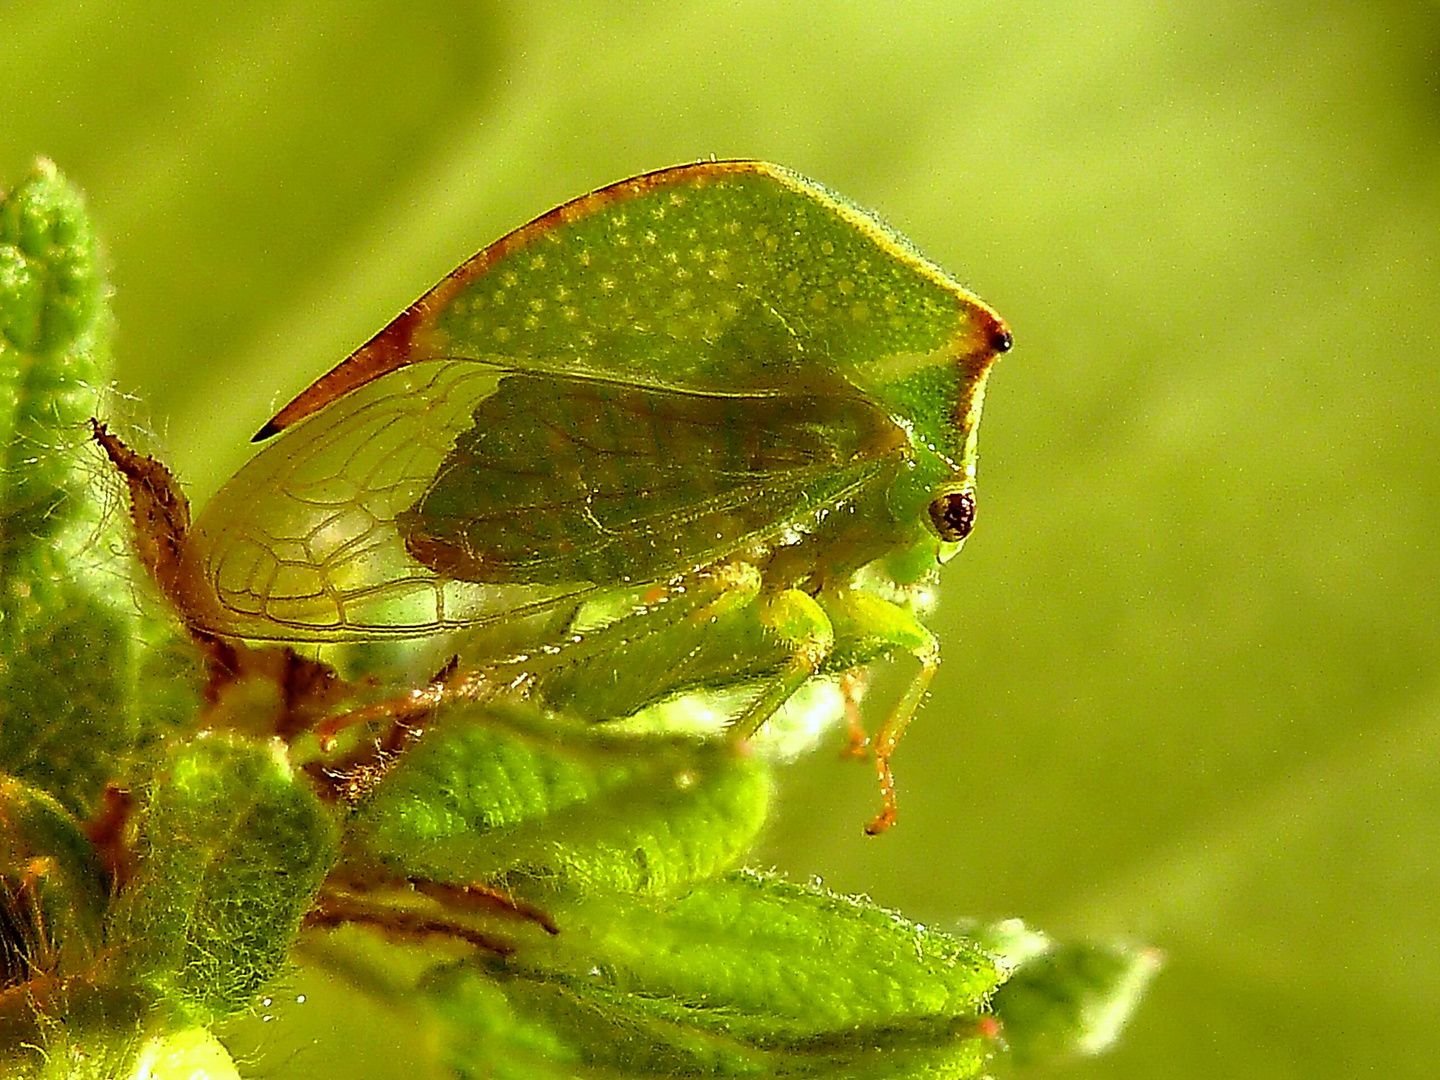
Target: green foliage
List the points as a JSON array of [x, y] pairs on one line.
[[747, 975], [229, 854], [112, 943], [513, 795], [65, 653], [613, 936], [1064, 999], [53, 885], [51, 301]]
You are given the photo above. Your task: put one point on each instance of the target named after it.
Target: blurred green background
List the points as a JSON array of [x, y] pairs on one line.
[[1190, 694]]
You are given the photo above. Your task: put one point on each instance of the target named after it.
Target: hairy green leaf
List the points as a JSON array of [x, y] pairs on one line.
[[231, 852], [748, 975], [511, 793], [71, 646]]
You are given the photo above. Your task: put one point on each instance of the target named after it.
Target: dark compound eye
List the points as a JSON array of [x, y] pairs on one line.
[[1000, 340], [953, 515]]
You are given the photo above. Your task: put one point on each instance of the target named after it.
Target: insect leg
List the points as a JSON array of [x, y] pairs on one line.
[[852, 687], [696, 598], [869, 627], [415, 909], [801, 625], [479, 897], [667, 646], [338, 907]]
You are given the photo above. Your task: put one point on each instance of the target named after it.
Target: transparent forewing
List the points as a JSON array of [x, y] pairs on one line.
[[451, 494], [301, 544], [562, 480]]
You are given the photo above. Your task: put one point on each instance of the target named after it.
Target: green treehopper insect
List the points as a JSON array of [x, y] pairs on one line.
[[718, 396]]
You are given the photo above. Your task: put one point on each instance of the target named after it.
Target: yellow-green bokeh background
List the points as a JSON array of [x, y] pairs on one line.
[[1190, 692]]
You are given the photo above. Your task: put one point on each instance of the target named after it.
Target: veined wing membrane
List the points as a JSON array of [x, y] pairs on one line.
[[452, 494], [564, 480]]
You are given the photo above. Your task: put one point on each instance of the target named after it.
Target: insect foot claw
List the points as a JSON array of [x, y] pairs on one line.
[[882, 821], [889, 810]]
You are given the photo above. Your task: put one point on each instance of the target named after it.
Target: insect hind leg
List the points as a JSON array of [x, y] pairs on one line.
[[869, 628], [661, 645]]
